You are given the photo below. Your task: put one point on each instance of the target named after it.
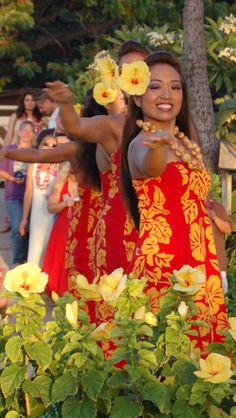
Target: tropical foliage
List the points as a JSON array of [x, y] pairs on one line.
[[57, 368]]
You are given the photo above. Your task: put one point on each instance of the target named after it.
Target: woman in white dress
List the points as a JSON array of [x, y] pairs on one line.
[[40, 177]]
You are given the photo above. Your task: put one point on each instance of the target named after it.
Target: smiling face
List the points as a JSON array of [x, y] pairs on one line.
[[163, 98], [48, 142]]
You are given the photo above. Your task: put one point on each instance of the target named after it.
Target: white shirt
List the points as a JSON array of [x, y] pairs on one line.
[[52, 121]]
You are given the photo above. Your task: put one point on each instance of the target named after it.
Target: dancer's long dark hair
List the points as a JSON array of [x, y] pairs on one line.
[[131, 130], [86, 151]]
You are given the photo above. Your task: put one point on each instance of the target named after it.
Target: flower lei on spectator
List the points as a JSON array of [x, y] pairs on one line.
[[42, 184]]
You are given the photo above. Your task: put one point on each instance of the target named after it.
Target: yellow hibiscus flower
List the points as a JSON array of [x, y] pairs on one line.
[[134, 78], [189, 280], [25, 279], [215, 369], [108, 72], [87, 291], [147, 317], [112, 285], [72, 313], [103, 95], [232, 329]]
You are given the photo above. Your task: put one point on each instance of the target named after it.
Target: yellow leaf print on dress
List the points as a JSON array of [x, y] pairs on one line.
[[184, 173], [189, 207], [161, 230], [159, 201], [210, 237], [196, 242], [216, 297], [200, 184], [149, 249]]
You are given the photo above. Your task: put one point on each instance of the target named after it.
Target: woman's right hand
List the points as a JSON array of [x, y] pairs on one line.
[[59, 92], [69, 201], [22, 227]]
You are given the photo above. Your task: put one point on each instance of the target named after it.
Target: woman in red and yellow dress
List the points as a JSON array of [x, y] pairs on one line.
[[61, 202], [165, 184]]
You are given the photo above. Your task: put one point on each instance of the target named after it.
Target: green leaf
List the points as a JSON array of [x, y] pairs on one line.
[[215, 412], [233, 412], [63, 387], [145, 330], [8, 329], [118, 378], [184, 372], [40, 387], [90, 345], [41, 352], [218, 394], [92, 383], [11, 378], [79, 359], [12, 414], [183, 392], [157, 393], [181, 409], [13, 349], [147, 356], [125, 408], [85, 408]]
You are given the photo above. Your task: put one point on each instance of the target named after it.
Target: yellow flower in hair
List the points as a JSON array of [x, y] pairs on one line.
[[134, 78], [103, 95], [215, 369], [108, 72]]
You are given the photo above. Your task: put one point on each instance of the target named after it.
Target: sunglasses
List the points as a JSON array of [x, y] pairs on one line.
[[50, 145]]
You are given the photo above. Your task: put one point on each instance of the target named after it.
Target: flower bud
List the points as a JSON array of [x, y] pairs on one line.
[[150, 319], [72, 313], [183, 309]]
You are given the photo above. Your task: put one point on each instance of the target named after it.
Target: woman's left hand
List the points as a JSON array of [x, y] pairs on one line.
[[158, 139]]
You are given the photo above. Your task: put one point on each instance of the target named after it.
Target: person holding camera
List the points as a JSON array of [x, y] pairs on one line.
[[39, 181], [61, 201], [14, 174]]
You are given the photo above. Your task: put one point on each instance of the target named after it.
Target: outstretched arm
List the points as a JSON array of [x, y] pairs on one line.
[[98, 129], [59, 154], [10, 129], [147, 154]]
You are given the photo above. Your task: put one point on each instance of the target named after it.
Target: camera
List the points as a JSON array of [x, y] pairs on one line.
[[18, 174]]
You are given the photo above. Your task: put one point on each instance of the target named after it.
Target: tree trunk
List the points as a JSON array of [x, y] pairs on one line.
[[195, 63]]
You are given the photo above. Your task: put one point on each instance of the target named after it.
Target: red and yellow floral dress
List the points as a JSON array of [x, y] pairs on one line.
[[54, 259], [115, 236], [86, 213], [175, 230]]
